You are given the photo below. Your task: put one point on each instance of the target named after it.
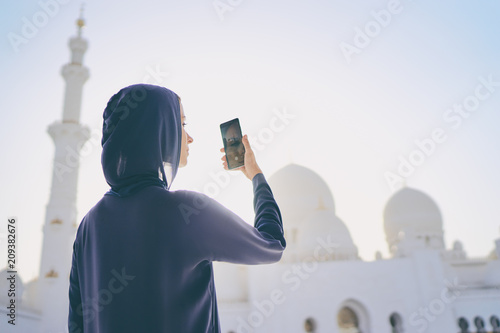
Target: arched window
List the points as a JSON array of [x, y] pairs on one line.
[[479, 323], [396, 323], [348, 321], [310, 325], [495, 323], [463, 324], [352, 317]]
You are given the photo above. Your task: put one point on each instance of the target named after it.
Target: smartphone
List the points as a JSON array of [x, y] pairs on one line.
[[233, 144]]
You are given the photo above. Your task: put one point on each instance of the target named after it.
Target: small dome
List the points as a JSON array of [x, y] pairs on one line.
[[325, 234], [412, 212], [299, 191], [458, 246]]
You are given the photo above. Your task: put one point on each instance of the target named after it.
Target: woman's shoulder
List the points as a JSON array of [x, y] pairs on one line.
[[196, 198], [188, 197], [189, 205]]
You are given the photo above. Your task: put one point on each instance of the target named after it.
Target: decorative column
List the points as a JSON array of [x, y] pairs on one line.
[[60, 220]]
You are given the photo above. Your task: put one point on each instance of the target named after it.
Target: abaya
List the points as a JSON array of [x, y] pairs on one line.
[[142, 256]]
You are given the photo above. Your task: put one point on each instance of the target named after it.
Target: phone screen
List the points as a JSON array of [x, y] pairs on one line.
[[233, 146]]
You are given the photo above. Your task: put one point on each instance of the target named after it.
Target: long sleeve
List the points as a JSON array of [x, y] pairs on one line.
[[156, 249], [224, 236], [267, 214]]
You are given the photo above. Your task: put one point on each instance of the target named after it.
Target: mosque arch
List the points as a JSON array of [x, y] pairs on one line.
[[310, 325], [495, 324], [396, 322], [352, 317], [479, 323], [463, 324]]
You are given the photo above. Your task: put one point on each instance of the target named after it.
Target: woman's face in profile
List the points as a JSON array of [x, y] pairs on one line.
[[234, 150], [186, 139]]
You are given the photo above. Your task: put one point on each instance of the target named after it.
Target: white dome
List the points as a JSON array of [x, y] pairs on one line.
[[410, 211], [458, 246], [298, 191], [325, 229]]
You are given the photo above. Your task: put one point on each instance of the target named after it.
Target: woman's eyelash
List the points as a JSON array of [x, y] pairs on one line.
[[184, 124]]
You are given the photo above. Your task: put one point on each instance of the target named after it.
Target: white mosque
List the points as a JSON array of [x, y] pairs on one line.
[[320, 285]]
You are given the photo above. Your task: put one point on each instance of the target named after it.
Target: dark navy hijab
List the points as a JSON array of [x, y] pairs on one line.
[[141, 139]]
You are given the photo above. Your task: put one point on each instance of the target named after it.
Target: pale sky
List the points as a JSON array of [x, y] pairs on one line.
[[352, 114]]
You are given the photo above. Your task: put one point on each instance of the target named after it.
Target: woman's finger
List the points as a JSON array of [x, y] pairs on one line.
[[245, 141], [246, 144]]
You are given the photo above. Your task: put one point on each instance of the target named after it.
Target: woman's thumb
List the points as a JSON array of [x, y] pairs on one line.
[[245, 142]]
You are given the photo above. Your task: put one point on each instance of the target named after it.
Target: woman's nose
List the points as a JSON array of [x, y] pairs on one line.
[[190, 139]]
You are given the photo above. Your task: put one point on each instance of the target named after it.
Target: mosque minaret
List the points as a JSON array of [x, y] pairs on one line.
[[60, 220], [320, 285]]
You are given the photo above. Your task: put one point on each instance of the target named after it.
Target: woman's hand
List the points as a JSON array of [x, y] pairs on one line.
[[250, 169]]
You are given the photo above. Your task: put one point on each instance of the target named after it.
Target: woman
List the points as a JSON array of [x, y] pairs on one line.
[[142, 257]]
